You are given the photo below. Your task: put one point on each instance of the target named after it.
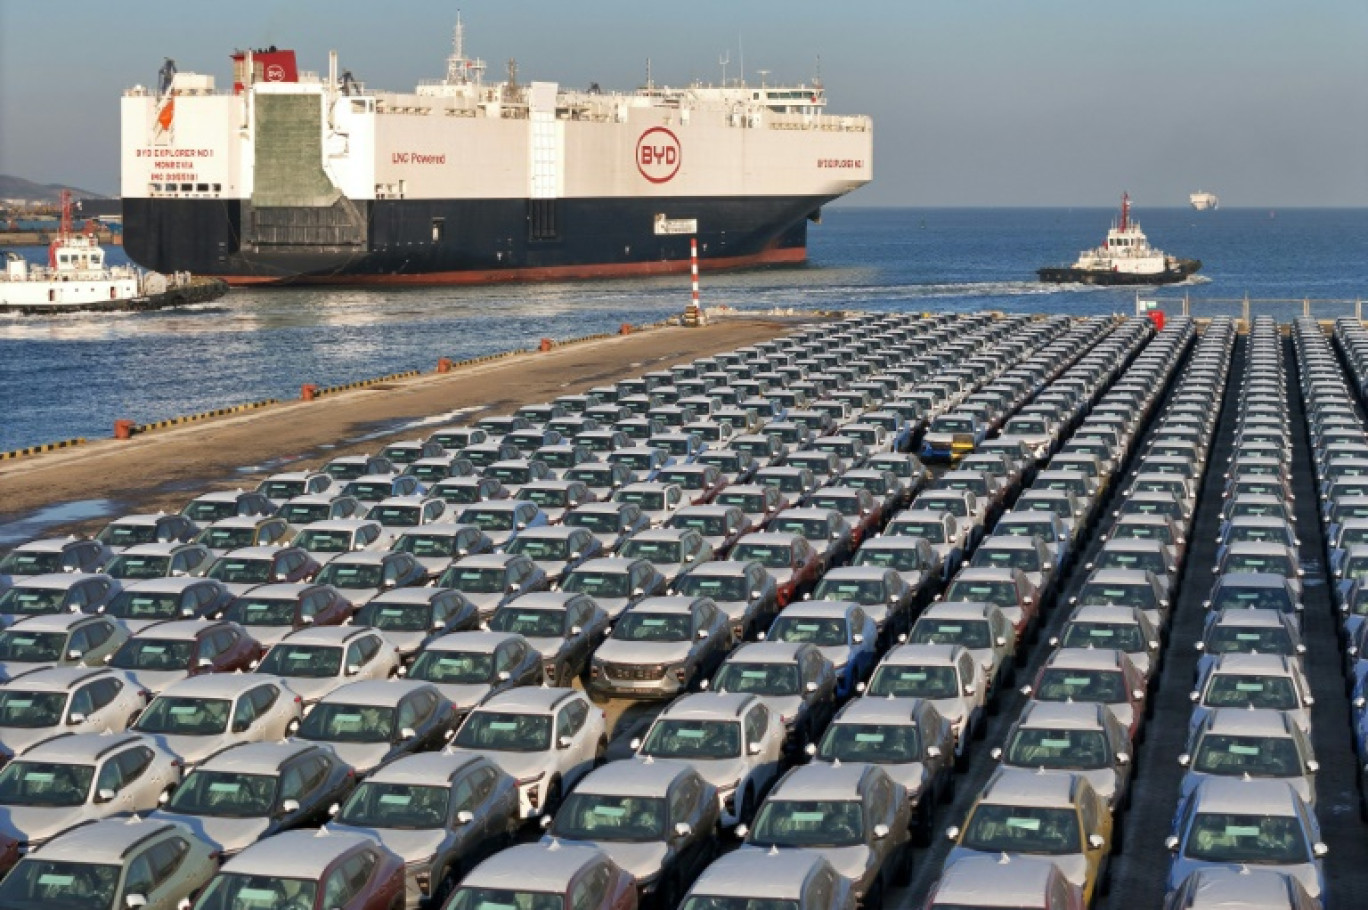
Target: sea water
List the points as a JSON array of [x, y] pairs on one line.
[[72, 375]]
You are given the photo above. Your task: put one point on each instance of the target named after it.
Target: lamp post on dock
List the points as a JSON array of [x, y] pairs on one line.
[[693, 313]]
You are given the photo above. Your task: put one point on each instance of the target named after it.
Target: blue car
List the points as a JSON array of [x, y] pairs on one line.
[[952, 436]]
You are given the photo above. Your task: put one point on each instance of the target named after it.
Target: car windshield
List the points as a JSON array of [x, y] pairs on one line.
[[1111, 595], [541, 549], [150, 605], [185, 716], [1259, 562], [1220, 837], [952, 425], [1235, 690], [707, 525], [23, 601], [1253, 598], [1070, 684], [396, 617], [592, 475], [317, 540], [442, 546], [132, 568], [1258, 756], [335, 722], [463, 493], [771, 556], [28, 562], [1123, 636], [351, 575], [224, 794], [1003, 593], [901, 559], [1249, 640], [760, 678], [262, 611], [825, 633], [154, 654], [548, 497], [237, 570], [693, 739], [461, 668], [596, 584], [503, 899], [488, 519], [747, 502], [41, 783], [1022, 829], [660, 627], [1027, 559], [474, 580], [933, 531], [32, 647], [31, 710], [868, 592], [370, 490], [238, 891], [1081, 750], [505, 732], [596, 522], [342, 469], [597, 816], [647, 500], [662, 552], [972, 633], [875, 743], [914, 682], [209, 511], [636, 461], [710, 902], [113, 535], [396, 516], [510, 474], [39, 884], [303, 661], [809, 823], [718, 587], [302, 513], [409, 807], [786, 482], [529, 623], [226, 538]]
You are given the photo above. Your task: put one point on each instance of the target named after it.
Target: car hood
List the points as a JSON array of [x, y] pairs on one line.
[[464, 697], [554, 568], [30, 823], [156, 680], [485, 603], [359, 597], [411, 845], [852, 863], [191, 749], [642, 652], [643, 860], [435, 565], [364, 757], [228, 834], [1073, 865], [14, 740], [12, 668], [269, 635], [311, 688], [521, 765]]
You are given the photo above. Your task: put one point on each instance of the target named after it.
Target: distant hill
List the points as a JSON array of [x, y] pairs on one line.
[[19, 188]]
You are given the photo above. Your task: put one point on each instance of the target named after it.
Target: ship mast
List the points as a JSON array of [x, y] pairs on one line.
[[1125, 210], [460, 68]]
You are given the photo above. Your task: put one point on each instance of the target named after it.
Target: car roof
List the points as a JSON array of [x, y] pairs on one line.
[[159, 548], [778, 874], [986, 573], [217, 685], [769, 652], [771, 538], [57, 581], [959, 609], [540, 866], [826, 609], [1086, 658], [923, 654], [1252, 580], [1120, 576], [646, 777], [263, 552], [724, 568], [553, 532], [1103, 613], [1266, 722], [104, 841], [1063, 715], [423, 768], [872, 709], [608, 564], [290, 589], [1023, 787], [857, 573], [178, 628], [1016, 880], [360, 558], [295, 854], [1225, 888], [822, 780], [1238, 795], [529, 699], [257, 757], [234, 521], [72, 748], [709, 705], [483, 641], [1253, 663], [541, 600], [341, 524], [57, 679], [326, 635], [678, 603], [50, 622], [1260, 617], [374, 691]]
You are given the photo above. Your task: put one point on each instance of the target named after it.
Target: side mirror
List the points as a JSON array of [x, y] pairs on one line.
[[1171, 843], [933, 752], [334, 809], [505, 676], [702, 633], [858, 638], [753, 749], [742, 831], [996, 754], [76, 718], [289, 807], [971, 689], [353, 669], [1096, 842], [74, 654], [564, 742], [810, 749], [880, 832], [638, 592], [407, 733], [1123, 758], [241, 724], [952, 833], [1313, 766], [635, 743], [755, 595], [1000, 641], [105, 795], [135, 900], [683, 829], [811, 686], [204, 663], [1319, 850]]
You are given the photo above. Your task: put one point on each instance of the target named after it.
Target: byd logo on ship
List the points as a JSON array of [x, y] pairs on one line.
[[658, 154], [275, 73]]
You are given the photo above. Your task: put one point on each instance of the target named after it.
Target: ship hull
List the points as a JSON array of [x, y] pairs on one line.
[[467, 241], [1071, 275]]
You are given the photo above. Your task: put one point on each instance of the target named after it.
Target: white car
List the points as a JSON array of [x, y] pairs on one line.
[[196, 717], [547, 738], [314, 661]]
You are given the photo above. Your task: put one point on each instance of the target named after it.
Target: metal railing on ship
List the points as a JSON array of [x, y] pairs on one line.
[[1244, 309]]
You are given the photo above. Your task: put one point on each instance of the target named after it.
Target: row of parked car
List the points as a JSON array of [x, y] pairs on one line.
[[1042, 830], [320, 731]]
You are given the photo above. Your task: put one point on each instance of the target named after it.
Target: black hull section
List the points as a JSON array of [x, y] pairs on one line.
[[457, 241], [1069, 275]]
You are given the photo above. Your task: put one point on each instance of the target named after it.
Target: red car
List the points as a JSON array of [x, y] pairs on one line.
[[858, 505], [1104, 676], [788, 558], [309, 870], [165, 652], [286, 607], [541, 876]]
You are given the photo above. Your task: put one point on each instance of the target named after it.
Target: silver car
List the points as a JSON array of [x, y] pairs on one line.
[[66, 592], [493, 579], [673, 551], [143, 603], [372, 722], [437, 546], [468, 667], [744, 590], [946, 675], [159, 560], [326, 540], [315, 661], [611, 522], [659, 648], [1262, 743], [615, 583], [41, 703], [60, 640], [439, 812], [1079, 738], [556, 549], [792, 878], [411, 618], [75, 778], [795, 681], [564, 628], [197, 717]]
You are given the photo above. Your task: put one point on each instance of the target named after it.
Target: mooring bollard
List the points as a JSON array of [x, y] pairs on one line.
[[308, 391], [123, 429]]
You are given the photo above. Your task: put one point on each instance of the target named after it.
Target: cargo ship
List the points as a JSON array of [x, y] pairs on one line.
[[1125, 257], [289, 177]]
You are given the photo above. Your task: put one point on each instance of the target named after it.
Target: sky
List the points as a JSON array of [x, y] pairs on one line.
[[974, 102]]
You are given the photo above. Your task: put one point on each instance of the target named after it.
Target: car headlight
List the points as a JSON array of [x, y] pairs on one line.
[[531, 784]]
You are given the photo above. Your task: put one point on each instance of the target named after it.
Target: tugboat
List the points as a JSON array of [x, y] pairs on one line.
[[1125, 257], [76, 278]]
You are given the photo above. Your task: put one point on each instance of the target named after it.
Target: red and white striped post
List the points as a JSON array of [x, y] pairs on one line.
[[693, 313]]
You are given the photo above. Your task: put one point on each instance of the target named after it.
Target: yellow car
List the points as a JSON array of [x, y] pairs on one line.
[[1056, 816]]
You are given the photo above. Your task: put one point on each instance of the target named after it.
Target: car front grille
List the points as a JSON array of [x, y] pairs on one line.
[[633, 671]]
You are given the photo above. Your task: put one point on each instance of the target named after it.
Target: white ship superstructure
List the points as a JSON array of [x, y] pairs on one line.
[[1125, 257], [1201, 201]]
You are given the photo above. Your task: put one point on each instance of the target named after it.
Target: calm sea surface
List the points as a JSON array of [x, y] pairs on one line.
[[73, 375]]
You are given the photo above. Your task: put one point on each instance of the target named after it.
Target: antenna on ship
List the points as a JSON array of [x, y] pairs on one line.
[[650, 83], [723, 59], [460, 68], [817, 79], [1125, 209]]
